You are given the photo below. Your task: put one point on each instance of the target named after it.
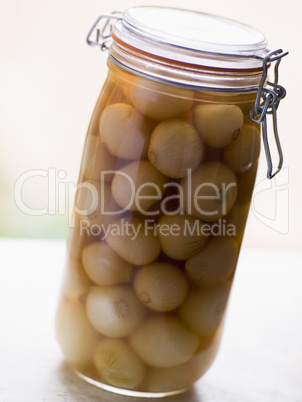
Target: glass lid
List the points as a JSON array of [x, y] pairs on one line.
[[191, 37]]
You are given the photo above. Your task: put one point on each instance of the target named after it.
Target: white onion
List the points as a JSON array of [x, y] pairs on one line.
[[214, 264], [114, 311], [137, 186], [94, 203], [175, 147], [203, 309], [76, 283], [75, 335], [243, 153], [118, 364], [219, 125], [210, 192], [163, 341], [97, 159], [137, 246], [104, 266], [159, 101], [124, 131], [160, 286], [181, 236]]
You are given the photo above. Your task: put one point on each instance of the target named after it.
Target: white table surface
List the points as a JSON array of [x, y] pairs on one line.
[[260, 359]]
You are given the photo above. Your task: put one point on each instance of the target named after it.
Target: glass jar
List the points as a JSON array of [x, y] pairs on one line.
[[164, 191]]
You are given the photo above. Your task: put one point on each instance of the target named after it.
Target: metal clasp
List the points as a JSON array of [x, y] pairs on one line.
[[267, 102], [102, 29]]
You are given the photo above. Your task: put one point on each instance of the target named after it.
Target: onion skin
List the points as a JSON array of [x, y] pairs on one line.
[[76, 241], [210, 192], [214, 264], [175, 146], [97, 159], [114, 311], [218, 125], [185, 241], [161, 286], [94, 203], [159, 101], [163, 341], [203, 309], [75, 335], [137, 249], [124, 131], [76, 283], [137, 186], [204, 358], [243, 153], [238, 217], [104, 266], [118, 364]]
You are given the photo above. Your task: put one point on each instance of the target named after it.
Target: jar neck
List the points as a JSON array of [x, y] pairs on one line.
[[183, 74]]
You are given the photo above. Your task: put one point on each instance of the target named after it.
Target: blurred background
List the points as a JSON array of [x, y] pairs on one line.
[[50, 80]]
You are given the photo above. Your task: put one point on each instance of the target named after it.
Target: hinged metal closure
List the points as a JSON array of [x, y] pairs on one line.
[[267, 102], [102, 32]]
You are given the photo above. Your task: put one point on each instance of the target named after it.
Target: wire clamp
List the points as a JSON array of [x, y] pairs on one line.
[[267, 101], [100, 32]]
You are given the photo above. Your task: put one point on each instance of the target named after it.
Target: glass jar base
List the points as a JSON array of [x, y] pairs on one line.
[[126, 392]]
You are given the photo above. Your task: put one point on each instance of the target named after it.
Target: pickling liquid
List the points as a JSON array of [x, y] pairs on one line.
[[163, 196]]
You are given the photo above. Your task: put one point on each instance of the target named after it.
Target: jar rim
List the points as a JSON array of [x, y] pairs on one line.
[[192, 37]]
